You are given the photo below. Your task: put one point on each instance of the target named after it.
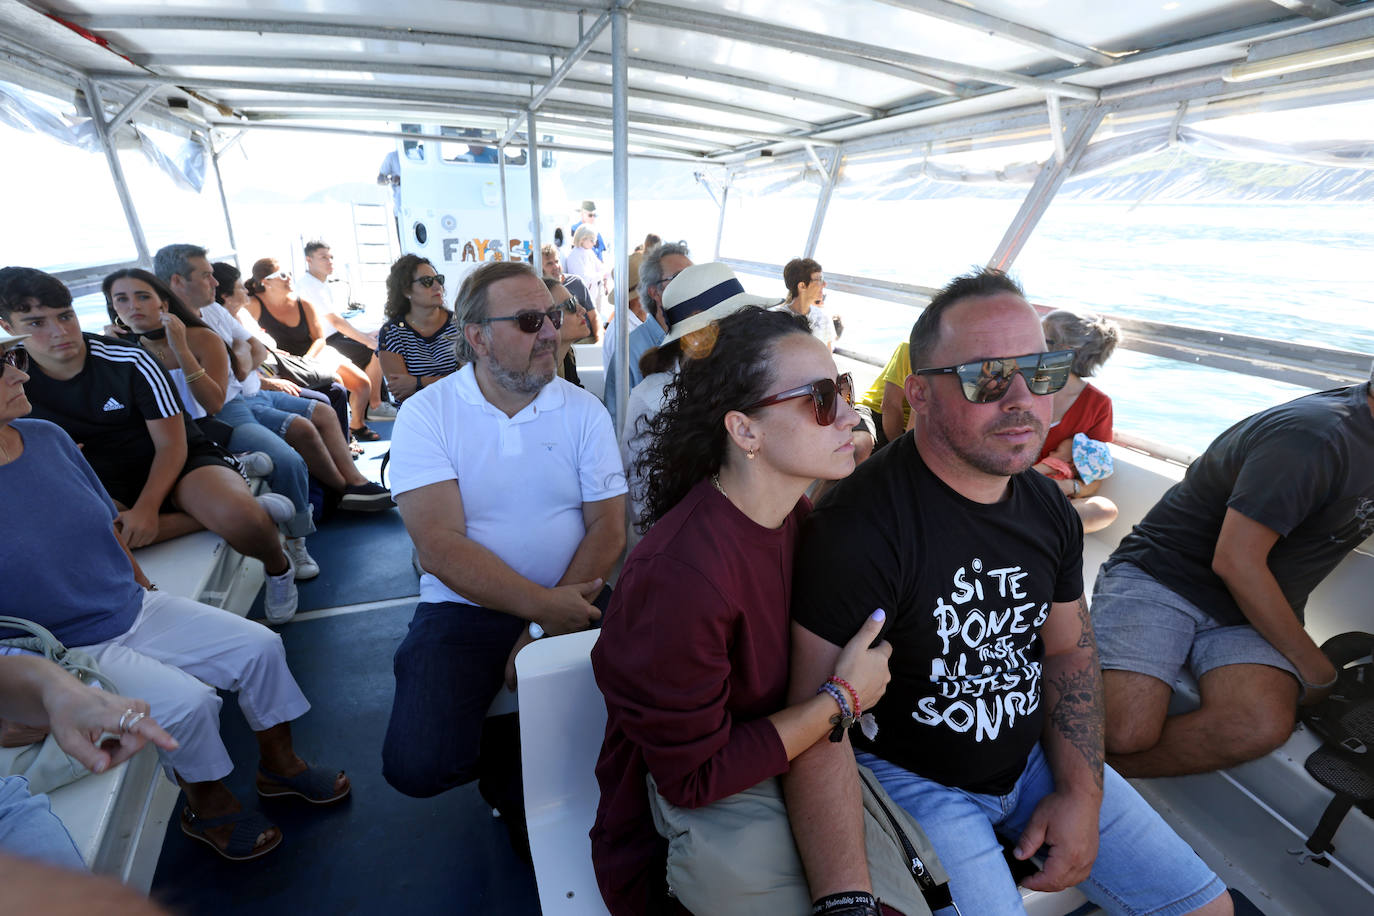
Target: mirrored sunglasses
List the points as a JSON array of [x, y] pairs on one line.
[[17, 357], [986, 381], [530, 322], [429, 281], [824, 393]]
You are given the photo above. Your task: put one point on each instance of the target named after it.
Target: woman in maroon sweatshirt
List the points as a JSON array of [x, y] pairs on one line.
[[693, 653]]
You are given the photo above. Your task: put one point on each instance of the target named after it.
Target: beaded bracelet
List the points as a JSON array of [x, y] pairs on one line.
[[853, 694], [835, 695], [845, 719]]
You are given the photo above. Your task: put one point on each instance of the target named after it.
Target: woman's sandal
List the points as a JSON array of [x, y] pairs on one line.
[[242, 845], [314, 784]]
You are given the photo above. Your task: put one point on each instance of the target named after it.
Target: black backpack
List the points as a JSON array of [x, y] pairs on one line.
[[1345, 722]]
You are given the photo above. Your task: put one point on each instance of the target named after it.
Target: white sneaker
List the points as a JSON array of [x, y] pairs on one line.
[[306, 567], [382, 412], [280, 601], [255, 464], [279, 509]]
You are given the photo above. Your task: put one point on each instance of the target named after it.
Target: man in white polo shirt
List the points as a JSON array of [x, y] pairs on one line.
[[510, 484]]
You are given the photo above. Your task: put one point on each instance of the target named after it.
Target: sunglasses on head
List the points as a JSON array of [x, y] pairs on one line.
[[279, 275], [988, 380], [429, 281], [17, 357], [824, 393], [530, 322]]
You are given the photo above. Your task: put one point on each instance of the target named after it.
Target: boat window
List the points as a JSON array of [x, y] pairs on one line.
[[414, 149], [767, 218], [471, 145], [166, 207], [921, 221], [65, 223]]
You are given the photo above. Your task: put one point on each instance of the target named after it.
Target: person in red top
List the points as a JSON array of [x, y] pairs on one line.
[[693, 653], [1079, 407]]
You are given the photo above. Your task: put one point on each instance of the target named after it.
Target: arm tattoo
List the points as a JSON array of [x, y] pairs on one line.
[[1086, 640], [1077, 714]]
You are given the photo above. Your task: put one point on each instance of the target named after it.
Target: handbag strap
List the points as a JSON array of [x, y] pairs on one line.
[[937, 895], [42, 641]]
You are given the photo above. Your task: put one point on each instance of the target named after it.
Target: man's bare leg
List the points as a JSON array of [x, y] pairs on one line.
[[1246, 712]]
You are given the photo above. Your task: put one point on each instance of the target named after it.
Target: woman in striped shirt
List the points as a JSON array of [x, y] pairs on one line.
[[416, 345]]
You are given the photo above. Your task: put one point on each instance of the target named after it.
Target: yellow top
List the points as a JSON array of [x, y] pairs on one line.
[[897, 369]]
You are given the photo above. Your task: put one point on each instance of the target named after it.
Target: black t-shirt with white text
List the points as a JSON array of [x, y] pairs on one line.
[[104, 406], [1304, 469], [966, 587]]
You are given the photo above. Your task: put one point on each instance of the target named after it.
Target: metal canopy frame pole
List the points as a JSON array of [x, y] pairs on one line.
[[562, 72], [505, 210], [224, 204], [823, 202], [126, 200], [620, 177], [720, 223], [1046, 185], [532, 159]]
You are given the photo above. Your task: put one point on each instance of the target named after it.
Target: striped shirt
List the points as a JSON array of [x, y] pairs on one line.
[[433, 355]]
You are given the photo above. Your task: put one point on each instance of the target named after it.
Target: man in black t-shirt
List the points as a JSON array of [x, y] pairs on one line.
[[1217, 575], [992, 723], [116, 402]]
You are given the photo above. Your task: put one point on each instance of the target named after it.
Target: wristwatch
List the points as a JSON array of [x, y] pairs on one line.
[[536, 631]]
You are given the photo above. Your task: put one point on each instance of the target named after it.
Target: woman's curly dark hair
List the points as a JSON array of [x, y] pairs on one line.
[[687, 438], [398, 281]]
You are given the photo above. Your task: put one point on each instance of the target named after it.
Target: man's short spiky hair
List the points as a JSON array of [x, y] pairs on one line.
[[925, 333]]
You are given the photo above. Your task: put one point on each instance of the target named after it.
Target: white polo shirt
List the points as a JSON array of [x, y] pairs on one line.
[[523, 479], [223, 323]]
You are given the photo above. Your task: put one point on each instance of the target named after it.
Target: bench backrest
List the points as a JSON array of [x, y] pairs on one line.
[[562, 722]]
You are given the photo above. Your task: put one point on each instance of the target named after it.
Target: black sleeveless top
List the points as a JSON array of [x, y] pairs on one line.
[[294, 339]]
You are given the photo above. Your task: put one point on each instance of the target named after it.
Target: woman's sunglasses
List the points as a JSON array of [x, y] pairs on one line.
[[17, 357], [987, 380], [569, 305], [429, 281], [530, 322], [279, 275], [824, 393]]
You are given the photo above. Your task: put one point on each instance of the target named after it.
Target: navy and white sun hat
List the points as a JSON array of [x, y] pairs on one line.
[[704, 293]]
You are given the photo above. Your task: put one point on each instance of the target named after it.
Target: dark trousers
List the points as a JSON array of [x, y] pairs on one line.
[[448, 670]]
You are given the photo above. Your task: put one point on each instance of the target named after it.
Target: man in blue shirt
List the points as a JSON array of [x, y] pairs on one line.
[[660, 266]]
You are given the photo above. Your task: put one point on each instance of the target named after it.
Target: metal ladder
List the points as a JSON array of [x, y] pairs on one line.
[[374, 238]]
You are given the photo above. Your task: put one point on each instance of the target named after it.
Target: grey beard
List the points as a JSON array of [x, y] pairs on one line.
[[517, 382]]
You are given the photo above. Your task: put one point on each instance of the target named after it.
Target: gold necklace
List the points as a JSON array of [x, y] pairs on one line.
[[715, 479]]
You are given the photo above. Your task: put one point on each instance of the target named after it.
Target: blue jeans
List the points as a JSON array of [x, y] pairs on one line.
[[1142, 867], [28, 827], [289, 475], [449, 668]]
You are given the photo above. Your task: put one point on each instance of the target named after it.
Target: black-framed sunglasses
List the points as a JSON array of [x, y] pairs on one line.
[[429, 281], [17, 357], [530, 322], [824, 393], [569, 305], [987, 380]]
